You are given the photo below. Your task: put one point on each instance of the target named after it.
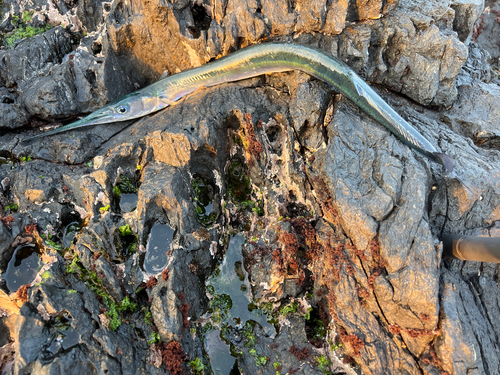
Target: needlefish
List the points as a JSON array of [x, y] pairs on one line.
[[254, 61]]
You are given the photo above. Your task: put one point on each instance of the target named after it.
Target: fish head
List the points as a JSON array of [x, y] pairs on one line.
[[129, 107]]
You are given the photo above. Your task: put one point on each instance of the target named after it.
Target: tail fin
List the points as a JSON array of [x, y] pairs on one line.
[[445, 160]]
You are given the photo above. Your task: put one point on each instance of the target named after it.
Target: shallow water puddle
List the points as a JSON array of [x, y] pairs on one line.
[[231, 305], [23, 267], [128, 202], [221, 360], [63, 337], [160, 239]]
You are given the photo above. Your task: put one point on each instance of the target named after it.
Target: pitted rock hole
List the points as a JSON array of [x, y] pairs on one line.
[[69, 233], [119, 14], [71, 223], [201, 20], [91, 78], [125, 194], [96, 48], [7, 161], [273, 133], [204, 200]]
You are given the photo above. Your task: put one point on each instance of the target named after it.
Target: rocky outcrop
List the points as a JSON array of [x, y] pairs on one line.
[[487, 28], [342, 221]]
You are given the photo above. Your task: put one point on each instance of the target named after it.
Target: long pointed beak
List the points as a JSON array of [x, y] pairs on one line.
[[86, 121]]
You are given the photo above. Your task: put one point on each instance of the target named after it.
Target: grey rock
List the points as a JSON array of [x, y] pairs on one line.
[[12, 113], [33, 55], [20, 67], [407, 306], [466, 15], [42, 184], [429, 79], [68, 88], [36, 335], [74, 362], [377, 203], [487, 29], [475, 115], [462, 309], [53, 94], [476, 67], [50, 97], [172, 207], [282, 19], [20, 221], [364, 184], [307, 119], [91, 13], [5, 241], [30, 326]]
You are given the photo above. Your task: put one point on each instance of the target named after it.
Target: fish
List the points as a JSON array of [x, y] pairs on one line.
[[255, 61]]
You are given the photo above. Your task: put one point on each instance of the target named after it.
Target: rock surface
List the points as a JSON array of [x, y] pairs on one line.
[[486, 30], [343, 223]]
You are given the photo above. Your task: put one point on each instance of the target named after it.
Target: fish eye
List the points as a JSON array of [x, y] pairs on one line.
[[122, 109]]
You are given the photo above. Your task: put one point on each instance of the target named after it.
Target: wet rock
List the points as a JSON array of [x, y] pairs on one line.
[[56, 95], [9, 311], [343, 222], [51, 81], [361, 226], [41, 88], [377, 204], [40, 13], [91, 13], [66, 89], [279, 353], [38, 333], [426, 80], [431, 80], [307, 119]]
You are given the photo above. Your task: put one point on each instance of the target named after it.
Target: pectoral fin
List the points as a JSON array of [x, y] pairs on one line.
[[167, 101]]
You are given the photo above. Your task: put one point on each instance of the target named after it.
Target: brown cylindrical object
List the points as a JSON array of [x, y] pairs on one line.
[[479, 249]]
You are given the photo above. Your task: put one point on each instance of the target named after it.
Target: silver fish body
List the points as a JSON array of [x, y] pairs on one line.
[[254, 61]]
